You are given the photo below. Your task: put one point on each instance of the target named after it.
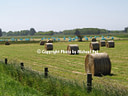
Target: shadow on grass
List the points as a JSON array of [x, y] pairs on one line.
[[102, 75]]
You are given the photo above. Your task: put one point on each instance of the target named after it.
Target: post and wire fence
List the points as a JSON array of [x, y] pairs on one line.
[[89, 75]]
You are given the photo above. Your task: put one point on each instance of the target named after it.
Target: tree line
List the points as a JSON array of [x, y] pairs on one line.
[[94, 31], [30, 32], [83, 31]]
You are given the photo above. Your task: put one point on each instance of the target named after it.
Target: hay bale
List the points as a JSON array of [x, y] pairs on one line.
[[110, 44], [7, 43], [49, 41], [42, 42], [48, 46], [94, 40], [94, 46], [73, 49], [98, 64], [102, 43]]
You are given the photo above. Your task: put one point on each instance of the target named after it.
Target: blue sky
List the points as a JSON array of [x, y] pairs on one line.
[[58, 15]]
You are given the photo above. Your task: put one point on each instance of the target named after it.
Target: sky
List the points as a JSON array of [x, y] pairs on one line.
[[59, 15]]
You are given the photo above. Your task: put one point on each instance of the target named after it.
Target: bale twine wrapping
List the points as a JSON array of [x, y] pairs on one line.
[[102, 43], [110, 44], [7, 43], [48, 46], [94, 46], [42, 42], [73, 49], [98, 64], [93, 39], [49, 41]]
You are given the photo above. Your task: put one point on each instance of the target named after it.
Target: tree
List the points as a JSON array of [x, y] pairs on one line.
[[10, 33], [4, 33], [77, 33], [32, 31], [50, 32], [126, 29], [0, 32], [24, 32]]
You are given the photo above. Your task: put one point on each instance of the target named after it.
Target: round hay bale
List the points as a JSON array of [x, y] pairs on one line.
[[7, 43], [110, 44], [73, 49], [48, 46], [42, 42], [98, 64], [49, 41], [94, 46], [102, 43], [94, 40]]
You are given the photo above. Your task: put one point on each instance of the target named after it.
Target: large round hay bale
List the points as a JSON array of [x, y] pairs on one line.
[[110, 44], [102, 43], [94, 40], [48, 46], [73, 49], [49, 41], [98, 64], [94, 46], [42, 42], [7, 43]]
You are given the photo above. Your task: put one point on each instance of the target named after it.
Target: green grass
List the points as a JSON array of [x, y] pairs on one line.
[[122, 36], [70, 67], [64, 65], [50, 86], [10, 87], [19, 42]]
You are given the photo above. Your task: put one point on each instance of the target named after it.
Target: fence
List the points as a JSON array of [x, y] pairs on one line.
[[89, 76]]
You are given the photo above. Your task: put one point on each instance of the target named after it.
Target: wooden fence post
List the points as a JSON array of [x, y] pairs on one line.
[[22, 65], [46, 72], [6, 61], [89, 82]]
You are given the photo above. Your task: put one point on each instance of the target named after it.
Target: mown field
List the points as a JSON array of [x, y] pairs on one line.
[[69, 66]]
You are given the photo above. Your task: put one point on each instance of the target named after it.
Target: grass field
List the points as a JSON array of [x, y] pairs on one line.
[[70, 67], [10, 87], [122, 36]]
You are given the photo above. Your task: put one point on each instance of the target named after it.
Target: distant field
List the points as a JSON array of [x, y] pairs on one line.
[[122, 36], [69, 66], [45, 38], [60, 36]]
